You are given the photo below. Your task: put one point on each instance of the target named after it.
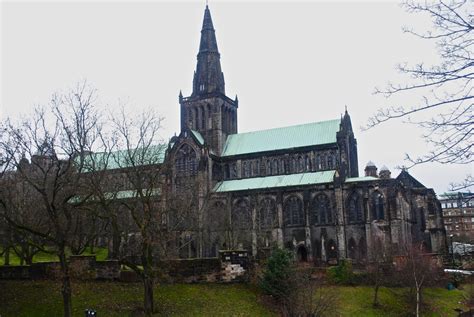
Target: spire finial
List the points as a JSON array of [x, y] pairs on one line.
[[208, 77]]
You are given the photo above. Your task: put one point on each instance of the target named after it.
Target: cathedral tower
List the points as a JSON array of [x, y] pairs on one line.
[[208, 110]]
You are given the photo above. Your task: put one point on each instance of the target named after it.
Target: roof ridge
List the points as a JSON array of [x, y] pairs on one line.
[[286, 127]]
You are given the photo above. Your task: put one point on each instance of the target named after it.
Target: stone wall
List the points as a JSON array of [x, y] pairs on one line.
[[229, 267], [81, 267]]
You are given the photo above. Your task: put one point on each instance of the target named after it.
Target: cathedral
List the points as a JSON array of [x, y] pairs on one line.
[[295, 187]]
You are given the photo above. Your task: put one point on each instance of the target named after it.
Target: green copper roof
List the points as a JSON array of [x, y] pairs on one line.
[[154, 154], [361, 179], [282, 138], [275, 181], [198, 137], [122, 194]]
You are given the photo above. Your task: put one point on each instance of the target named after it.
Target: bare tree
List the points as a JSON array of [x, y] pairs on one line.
[[418, 271], [142, 161], [446, 88], [47, 152], [309, 297], [19, 203]]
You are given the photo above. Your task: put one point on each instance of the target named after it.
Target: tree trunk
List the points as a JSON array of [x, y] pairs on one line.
[[7, 256], [66, 287], [376, 295], [417, 302], [148, 295], [29, 259], [116, 240]]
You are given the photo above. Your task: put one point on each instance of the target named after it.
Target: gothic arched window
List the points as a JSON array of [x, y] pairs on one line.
[[203, 118], [355, 208], [293, 165], [317, 164], [377, 206], [321, 210], [186, 161], [245, 168], [275, 167], [241, 215], [307, 163], [293, 212], [330, 159], [323, 161], [267, 213], [300, 164], [256, 168]]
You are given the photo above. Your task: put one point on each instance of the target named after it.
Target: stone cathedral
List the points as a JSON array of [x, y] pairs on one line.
[[296, 187]]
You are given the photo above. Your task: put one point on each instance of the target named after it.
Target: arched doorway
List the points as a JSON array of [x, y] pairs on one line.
[[302, 254], [352, 249], [332, 250]]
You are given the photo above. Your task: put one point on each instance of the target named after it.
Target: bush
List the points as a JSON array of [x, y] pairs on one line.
[[276, 280], [342, 273]]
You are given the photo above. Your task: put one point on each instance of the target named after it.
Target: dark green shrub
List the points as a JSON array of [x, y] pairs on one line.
[[277, 274], [342, 273]]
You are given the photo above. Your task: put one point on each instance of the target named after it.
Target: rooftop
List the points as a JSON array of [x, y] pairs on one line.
[[296, 136], [275, 181]]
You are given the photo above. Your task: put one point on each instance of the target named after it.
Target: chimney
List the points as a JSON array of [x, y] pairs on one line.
[[384, 172], [370, 169]]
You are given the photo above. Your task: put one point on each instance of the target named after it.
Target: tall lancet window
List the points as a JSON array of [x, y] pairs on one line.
[[186, 161], [378, 212]]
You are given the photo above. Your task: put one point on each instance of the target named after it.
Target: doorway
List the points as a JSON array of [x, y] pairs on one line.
[[302, 254]]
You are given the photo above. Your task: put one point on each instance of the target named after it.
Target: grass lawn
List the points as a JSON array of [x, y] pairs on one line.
[[357, 301], [100, 253], [42, 298]]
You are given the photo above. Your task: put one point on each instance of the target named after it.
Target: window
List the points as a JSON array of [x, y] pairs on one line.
[[245, 168], [269, 167], [186, 161], [323, 162], [330, 159], [203, 118], [241, 217], [256, 168], [293, 165], [300, 164], [317, 164], [293, 212], [355, 208], [377, 206], [321, 210], [275, 167], [307, 163], [267, 213], [233, 170]]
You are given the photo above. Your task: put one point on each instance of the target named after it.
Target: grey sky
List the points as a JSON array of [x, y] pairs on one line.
[[289, 63]]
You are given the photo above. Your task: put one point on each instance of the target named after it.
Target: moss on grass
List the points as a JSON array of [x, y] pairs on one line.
[[42, 298]]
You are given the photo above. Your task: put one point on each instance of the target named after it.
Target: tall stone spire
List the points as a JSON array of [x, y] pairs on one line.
[[208, 78]]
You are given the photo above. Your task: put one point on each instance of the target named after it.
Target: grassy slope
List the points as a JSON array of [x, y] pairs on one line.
[[100, 253], [357, 301], [42, 298]]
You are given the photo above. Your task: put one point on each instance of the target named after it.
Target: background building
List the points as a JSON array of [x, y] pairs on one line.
[[458, 214]]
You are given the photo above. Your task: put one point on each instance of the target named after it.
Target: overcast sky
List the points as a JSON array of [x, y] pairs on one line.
[[288, 62]]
